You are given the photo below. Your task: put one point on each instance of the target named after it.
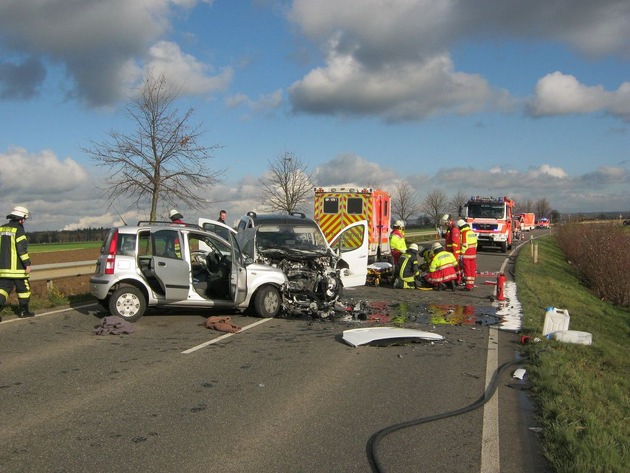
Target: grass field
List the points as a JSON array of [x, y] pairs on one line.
[[582, 392], [44, 248]]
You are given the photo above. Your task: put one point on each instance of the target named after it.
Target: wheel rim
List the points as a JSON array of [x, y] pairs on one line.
[[127, 305], [271, 302]]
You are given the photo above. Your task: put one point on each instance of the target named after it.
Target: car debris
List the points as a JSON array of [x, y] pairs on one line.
[[365, 336]]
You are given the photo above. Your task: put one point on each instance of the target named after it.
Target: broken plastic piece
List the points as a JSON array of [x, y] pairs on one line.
[[519, 373], [363, 336]]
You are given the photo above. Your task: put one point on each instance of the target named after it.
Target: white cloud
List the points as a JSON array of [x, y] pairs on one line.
[[27, 175], [185, 70], [390, 58], [558, 94], [100, 45]]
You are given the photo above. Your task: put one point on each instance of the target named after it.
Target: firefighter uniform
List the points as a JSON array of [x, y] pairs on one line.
[[397, 241], [443, 268], [15, 261], [452, 238], [468, 254], [407, 269]]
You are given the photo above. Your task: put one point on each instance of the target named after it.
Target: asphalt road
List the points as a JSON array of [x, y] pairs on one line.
[[285, 395]]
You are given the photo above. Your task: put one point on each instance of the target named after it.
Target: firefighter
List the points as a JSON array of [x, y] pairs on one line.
[[397, 240], [468, 254], [426, 255], [15, 263], [175, 216], [443, 270], [452, 237], [407, 270]]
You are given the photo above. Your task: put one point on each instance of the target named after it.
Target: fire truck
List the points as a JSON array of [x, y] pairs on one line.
[[491, 219], [338, 207]]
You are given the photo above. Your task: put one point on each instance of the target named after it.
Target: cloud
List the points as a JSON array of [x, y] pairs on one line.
[[350, 168], [26, 175], [21, 81], [100, 45], [390, 58], [397, 92], [184, 70], [559, 94]]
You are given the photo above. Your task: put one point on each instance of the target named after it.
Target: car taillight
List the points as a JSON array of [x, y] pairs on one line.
[[110, 259]]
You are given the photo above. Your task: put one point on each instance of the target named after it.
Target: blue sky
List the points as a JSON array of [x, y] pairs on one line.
[[528, 99]]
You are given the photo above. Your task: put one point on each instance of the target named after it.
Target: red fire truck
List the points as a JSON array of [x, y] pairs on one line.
[[491, 219]]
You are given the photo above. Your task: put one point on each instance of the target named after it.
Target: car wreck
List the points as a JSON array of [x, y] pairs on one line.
[[316, 271]]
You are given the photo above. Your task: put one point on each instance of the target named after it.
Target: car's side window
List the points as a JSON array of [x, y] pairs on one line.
[[144, 244], [166, 243]]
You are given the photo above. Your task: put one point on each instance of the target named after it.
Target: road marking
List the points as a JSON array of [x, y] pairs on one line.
[[58, 311], [490, 453], [223, 337]]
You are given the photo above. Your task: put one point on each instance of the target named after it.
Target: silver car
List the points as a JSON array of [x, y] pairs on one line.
[[161, 264]]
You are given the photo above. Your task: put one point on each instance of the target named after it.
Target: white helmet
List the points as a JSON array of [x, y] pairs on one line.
[[174, 214], [399, 224], [18, 213], [444, 219], [436, 246], [461, 222], [413, 247]]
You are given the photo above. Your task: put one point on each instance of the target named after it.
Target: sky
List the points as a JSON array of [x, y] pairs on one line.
[[526, 98]]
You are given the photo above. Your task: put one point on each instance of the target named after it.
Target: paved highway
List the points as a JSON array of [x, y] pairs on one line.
[[285, 395]]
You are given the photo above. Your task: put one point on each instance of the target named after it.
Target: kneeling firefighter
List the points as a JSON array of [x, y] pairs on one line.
[[407, 270]]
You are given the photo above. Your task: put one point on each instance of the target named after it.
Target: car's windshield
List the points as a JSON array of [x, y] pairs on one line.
[[291, 237], [486, 211]]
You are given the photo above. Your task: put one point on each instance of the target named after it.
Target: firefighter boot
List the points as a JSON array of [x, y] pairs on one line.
[[25, 311]]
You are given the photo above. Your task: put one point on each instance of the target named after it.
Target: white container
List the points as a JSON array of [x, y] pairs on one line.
[[573, 336], [556, 320]]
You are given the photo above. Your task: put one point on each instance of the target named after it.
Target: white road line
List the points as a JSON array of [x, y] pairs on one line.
[[58, 311], [223, 337], [490, 453]]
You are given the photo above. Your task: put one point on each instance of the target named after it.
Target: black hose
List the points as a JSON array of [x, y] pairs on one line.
[[371, 448]]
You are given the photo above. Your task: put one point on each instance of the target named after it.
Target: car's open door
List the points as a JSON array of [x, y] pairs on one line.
[[168, 265], [238, 275], [351, 246], [217, 227]]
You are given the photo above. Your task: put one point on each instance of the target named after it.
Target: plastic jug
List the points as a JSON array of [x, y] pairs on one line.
[[573, 336], [555, 320]]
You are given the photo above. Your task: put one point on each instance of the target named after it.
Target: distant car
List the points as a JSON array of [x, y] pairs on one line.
[[161, 264], [317, 271], [626, 222]]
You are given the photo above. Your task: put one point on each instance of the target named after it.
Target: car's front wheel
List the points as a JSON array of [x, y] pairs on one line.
[[267, 302], [127, 302]]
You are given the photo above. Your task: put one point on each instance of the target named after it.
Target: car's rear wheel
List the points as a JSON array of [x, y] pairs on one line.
[[267, 302], [128, 303]]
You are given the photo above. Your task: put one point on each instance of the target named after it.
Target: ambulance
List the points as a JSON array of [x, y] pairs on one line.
[[338, 207]]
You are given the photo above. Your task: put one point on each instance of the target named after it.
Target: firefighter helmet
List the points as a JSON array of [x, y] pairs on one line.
[[413, 247], [18, 213], [399, 224], [461, 222], [436, 246], [445, 218], [174, 215]]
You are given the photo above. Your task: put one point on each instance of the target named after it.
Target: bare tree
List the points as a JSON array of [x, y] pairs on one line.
[[526, 207], [286, 185], [435, 205], [405, 202], [162, 159], [456, 204], [543, 208]]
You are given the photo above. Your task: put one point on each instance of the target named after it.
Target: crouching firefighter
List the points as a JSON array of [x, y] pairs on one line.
[[407, 270], [15, 264]]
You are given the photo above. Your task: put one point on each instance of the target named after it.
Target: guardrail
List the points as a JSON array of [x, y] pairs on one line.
[[48, 272]]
